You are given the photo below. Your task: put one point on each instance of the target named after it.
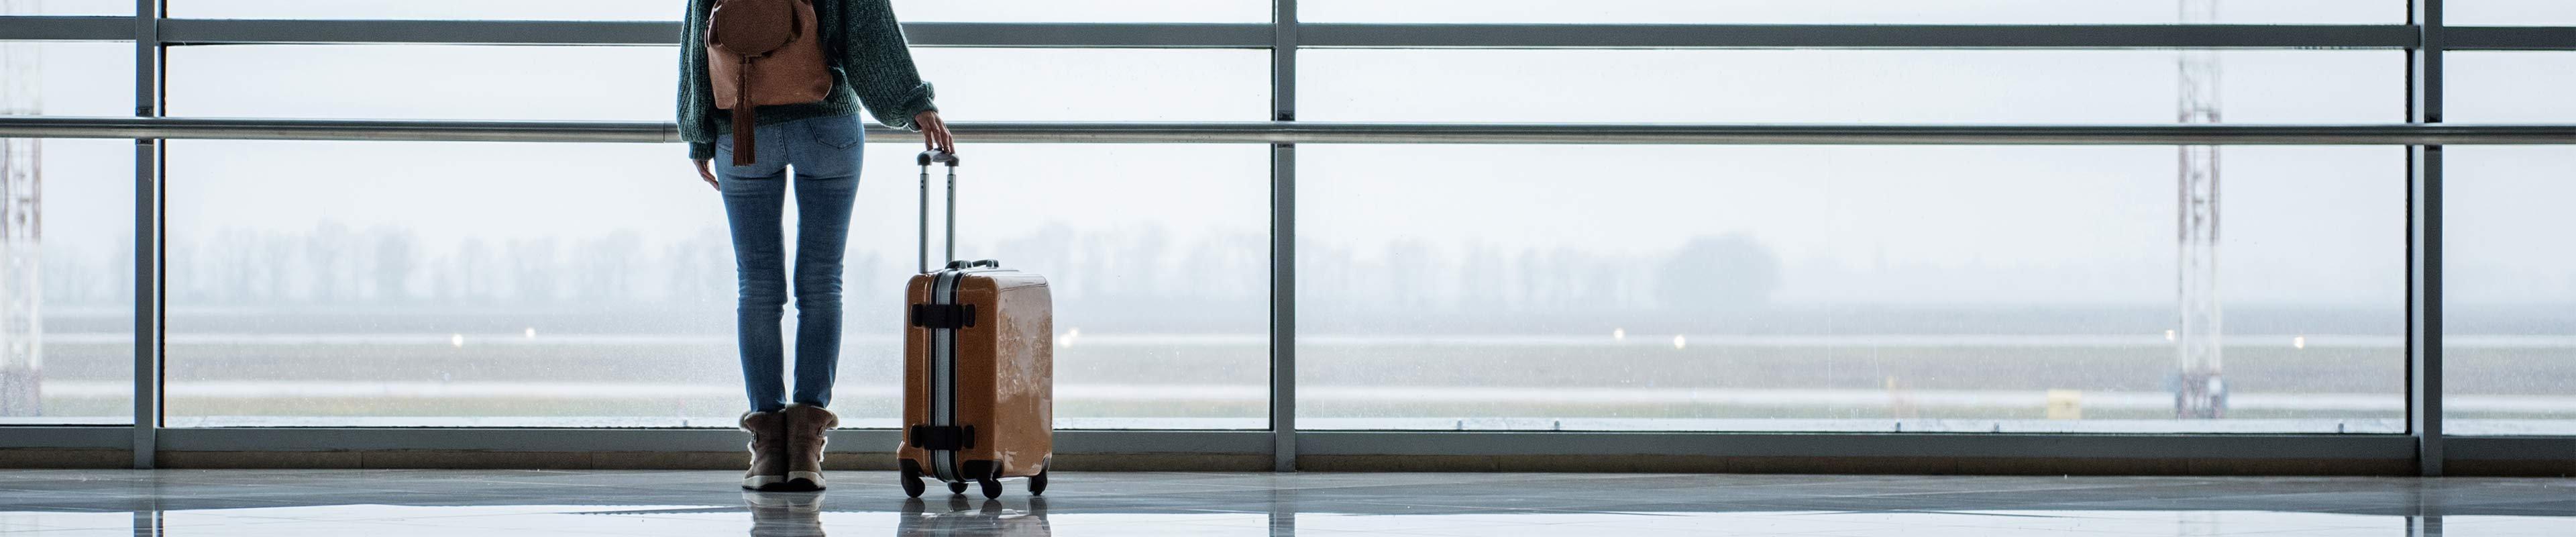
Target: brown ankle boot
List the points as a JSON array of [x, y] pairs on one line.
[[768, 450], [806, 428]]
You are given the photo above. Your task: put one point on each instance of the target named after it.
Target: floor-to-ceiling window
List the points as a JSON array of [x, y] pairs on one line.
[[1440, 282]]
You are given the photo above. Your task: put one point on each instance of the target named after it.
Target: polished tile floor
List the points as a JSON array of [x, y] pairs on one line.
[[488, 503]]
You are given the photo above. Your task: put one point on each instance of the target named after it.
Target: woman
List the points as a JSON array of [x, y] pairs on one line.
[[871, 65]]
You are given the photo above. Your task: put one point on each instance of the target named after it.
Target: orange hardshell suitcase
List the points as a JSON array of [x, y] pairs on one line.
[[979, 380]]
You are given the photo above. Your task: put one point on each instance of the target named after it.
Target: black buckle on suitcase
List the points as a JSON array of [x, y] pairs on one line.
[[947, 438], [949, 316]]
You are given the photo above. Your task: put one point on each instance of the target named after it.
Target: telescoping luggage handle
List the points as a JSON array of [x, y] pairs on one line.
[[928, 157]]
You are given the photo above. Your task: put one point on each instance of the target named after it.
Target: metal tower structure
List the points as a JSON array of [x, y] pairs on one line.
[[21, 326], [2199, 391]]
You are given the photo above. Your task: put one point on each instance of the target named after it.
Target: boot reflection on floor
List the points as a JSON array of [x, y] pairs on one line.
[[785, 514], [971, 517]]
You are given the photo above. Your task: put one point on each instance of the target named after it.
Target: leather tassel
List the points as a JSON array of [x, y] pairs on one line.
[[746, 117]]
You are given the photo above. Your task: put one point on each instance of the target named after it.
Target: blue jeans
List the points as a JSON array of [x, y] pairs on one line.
[[824, 152]]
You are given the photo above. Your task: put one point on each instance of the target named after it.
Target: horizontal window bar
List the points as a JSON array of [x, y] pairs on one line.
[[2508, 448], [304, 439], [933, 34], [1920, 445], [1852, 36], [308, 129], [1333, 133], [1187, 35], [75, 437], [67, 28], [247, 31], [1165, 35], [2509, 38], [1916, 446]]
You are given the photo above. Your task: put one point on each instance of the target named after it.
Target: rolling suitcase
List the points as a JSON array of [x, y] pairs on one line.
[[979, 380]]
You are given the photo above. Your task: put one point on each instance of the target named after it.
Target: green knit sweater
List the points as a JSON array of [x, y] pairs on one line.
[[870, 64]]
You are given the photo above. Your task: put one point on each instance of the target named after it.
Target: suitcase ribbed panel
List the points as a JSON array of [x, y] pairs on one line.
[[943, 376]]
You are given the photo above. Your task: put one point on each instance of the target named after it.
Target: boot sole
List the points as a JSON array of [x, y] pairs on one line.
[[766, 482], [803, 481], [794, 485]]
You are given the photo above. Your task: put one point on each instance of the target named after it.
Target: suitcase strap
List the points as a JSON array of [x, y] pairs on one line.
[[946, 438], [943, 316]]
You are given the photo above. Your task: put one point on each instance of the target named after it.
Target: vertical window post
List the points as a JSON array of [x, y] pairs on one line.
[[2424, 242], [148, 226], [1283, 241]]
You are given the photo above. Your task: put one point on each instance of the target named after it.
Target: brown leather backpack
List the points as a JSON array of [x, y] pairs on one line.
[[763, 52]]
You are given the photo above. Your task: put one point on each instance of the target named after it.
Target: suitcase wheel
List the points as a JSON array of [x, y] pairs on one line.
[[1037, 483], [911, 480], [957, 487], [992, 487]]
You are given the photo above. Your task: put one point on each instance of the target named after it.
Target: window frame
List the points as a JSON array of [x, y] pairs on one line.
[[2423, 450]]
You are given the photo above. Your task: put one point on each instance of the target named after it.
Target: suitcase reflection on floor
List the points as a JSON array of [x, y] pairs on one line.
[[963, 516], [800, 514]]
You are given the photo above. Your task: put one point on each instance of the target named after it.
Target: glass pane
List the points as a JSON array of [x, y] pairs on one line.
[[67, 78], [2509, 13], [909, 10], [66, 240], [2510, 320], [1159, 260], [423, 82], [67, 7], [1739, 86], [1843, 12], [67, 283], [635, 83], [489, 284], [1965, 289], [2510, 87]]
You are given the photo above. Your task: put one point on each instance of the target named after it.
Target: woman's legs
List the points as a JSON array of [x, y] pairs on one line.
[[827, 185], [825, 154], [753, 197]]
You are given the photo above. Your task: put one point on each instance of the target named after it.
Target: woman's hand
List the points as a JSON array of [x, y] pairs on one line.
[[706, 174], [934, 133]]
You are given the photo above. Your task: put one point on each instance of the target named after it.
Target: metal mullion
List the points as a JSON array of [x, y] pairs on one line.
[[1941, 36], [149, 194], [1252, 35], [63, 437], [521, 32], [662, 440], [2508, 38], [50, 28], [1089, 35], [1979, 445], [1283, 240], [2424, 243], [1298, 132], [319, 31]]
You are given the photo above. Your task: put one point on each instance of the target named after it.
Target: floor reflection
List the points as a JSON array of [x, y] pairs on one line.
[[503, 503], [961, 516], [785, 514]]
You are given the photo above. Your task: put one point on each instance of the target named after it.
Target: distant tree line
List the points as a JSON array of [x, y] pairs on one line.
[[1130, 278]]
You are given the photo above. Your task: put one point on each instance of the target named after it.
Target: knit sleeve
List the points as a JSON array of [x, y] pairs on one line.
[[879, 65], [697, 95]]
